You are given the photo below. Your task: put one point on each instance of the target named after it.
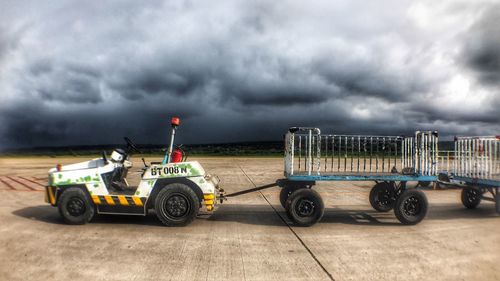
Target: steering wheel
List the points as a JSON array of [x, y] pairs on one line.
[[131, 144]]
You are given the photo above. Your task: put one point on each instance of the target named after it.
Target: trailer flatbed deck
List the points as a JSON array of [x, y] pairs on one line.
[[478, 181], [360, 177]]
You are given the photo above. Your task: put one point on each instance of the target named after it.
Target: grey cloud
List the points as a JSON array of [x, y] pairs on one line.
[[430, 113], [68, 86], [140, 84], [482, 48], [40, 67]]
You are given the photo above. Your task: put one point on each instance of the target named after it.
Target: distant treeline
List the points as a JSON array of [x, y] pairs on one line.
[[224, 149], [271, 148]]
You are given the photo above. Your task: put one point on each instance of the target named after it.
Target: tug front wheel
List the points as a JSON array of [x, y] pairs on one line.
[[471, 197], [305, 207], [75, 206], [176, 205], [411, 207]]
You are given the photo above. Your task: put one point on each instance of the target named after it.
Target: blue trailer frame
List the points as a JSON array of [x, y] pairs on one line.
[[340, 177], [478, 182]]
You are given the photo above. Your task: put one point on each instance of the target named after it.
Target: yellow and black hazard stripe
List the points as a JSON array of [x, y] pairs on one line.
[[50, 195], [119, 200]]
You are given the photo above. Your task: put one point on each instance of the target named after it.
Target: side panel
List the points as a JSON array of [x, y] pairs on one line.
[[205, 186], [145, 187], [209, 192], [205, 189], [190, 173], [174, 170], [158, 176], [91, 178]]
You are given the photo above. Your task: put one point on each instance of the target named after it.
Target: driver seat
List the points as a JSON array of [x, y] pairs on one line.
[[119, 173], [117, 180]]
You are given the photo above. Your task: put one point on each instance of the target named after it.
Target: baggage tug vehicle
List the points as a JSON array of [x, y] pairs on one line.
[[174, 189]]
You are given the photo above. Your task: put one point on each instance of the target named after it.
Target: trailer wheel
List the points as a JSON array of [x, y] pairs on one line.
[[382, 197], [75, 206], [285, 193], [471, 197], [305, 207], [411, 207], [176, 205]]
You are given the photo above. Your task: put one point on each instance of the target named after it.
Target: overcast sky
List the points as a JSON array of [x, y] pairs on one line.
[[91, 72]]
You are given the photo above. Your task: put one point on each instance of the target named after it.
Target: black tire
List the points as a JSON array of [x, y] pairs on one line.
[[176, 205], [471, 197], [424, 183], [411, 207], [75, 206], [285, 193], [305, 207], [382, 197]]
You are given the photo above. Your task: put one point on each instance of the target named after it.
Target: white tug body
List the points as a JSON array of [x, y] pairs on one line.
[[176, 189]]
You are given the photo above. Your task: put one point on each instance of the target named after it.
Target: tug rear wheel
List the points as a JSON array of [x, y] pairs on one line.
[[471, 197], [382, 197], [305, 207], [75, 206], [176, 205], [411, 207]]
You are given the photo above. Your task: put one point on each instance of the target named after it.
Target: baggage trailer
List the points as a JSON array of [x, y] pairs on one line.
[[389, 161], [476, 166]]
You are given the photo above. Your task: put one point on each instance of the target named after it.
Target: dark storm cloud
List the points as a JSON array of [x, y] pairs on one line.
[[278, 92], [139, 84], [81, 73], [482, 48], [367, 80], [64, 83]]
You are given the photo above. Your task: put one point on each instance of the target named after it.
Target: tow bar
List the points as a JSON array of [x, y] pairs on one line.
[[277, 183]]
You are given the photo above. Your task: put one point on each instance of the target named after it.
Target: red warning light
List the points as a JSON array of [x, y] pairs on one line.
[[175, 121]]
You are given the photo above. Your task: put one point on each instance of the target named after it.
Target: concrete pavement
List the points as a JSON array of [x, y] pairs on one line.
[[246, 238]]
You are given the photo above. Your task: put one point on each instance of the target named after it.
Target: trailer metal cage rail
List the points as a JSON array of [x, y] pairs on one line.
[[477, 158], [310, 155], [476, 165]]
